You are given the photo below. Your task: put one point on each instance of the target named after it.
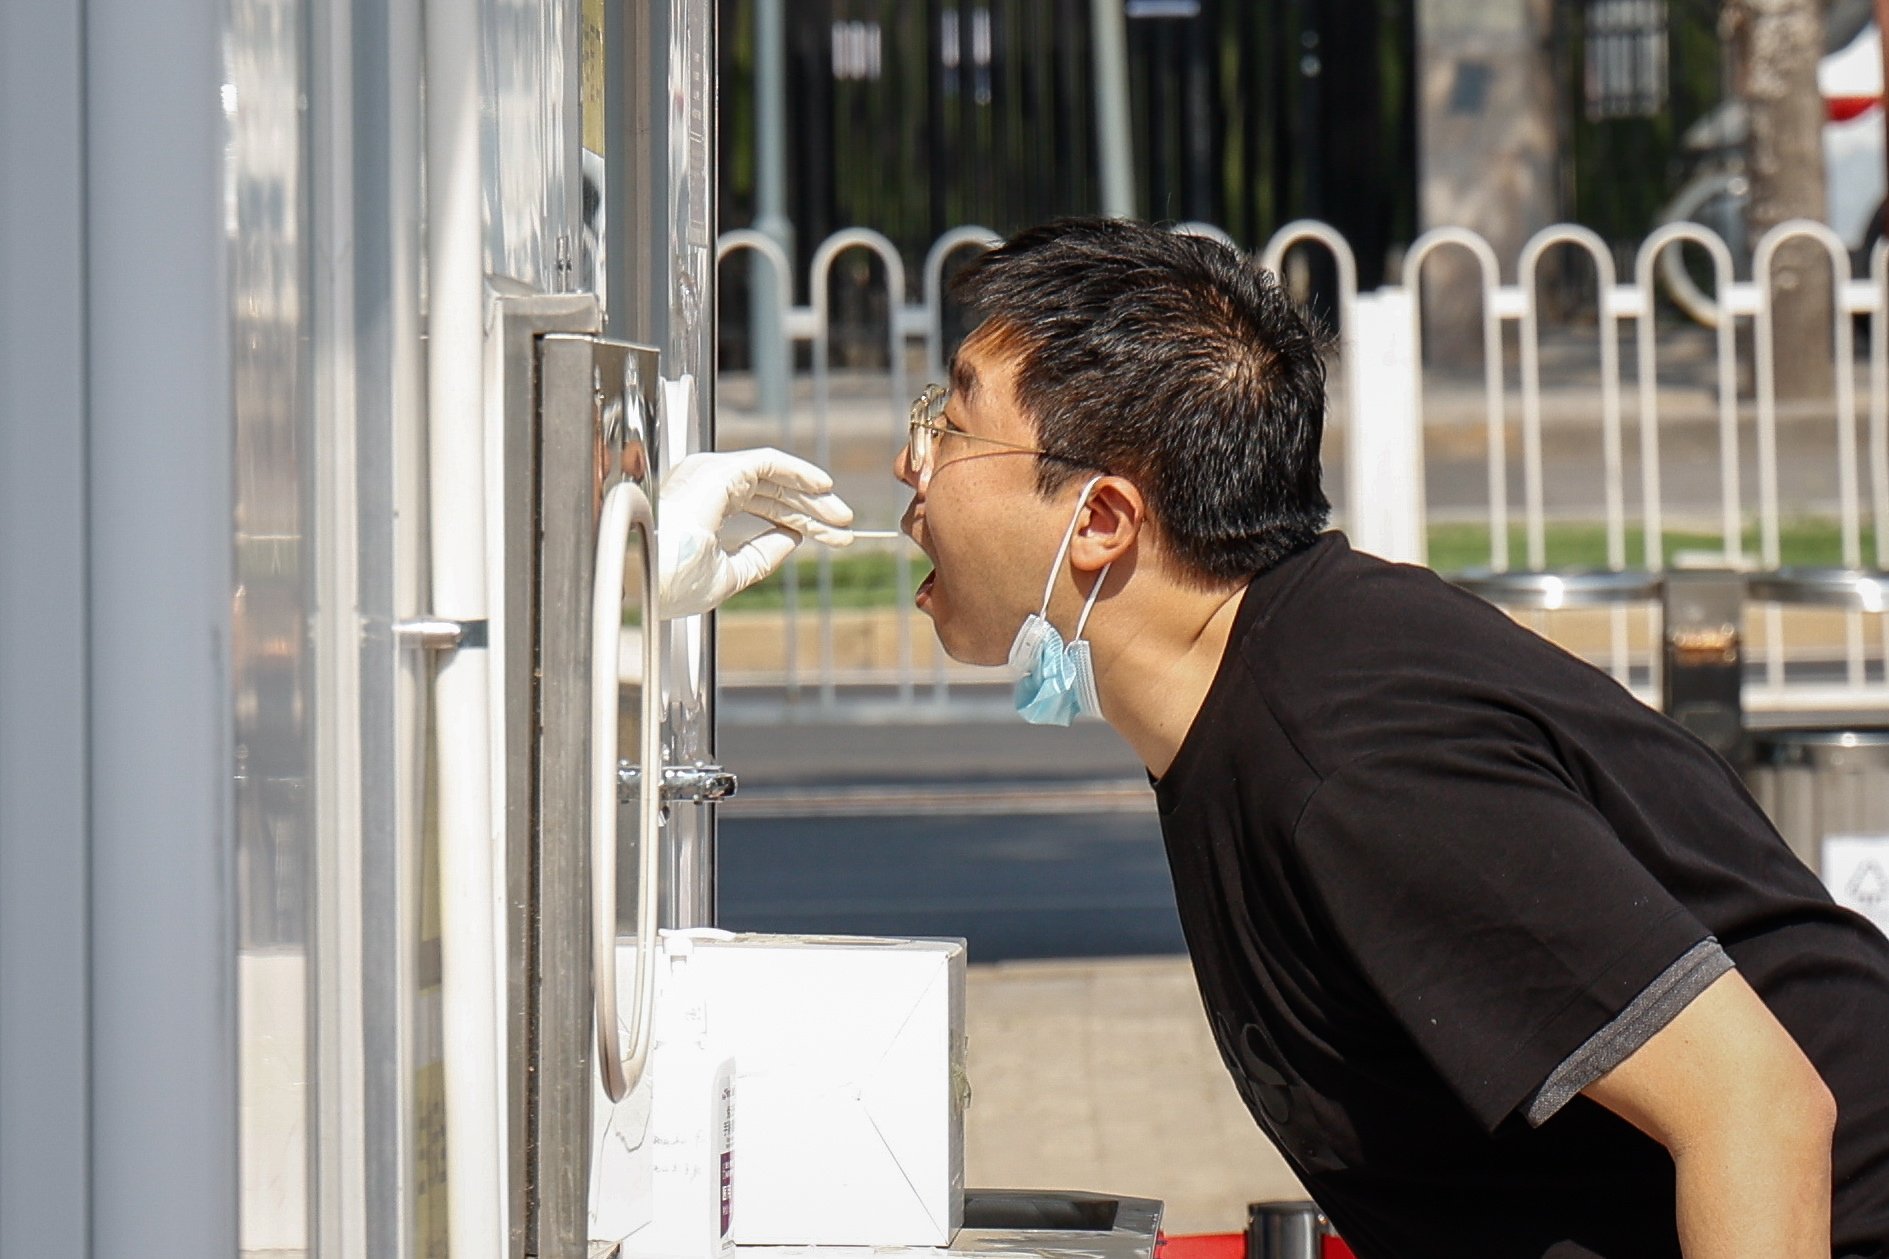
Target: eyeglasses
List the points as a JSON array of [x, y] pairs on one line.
[[925, 434]]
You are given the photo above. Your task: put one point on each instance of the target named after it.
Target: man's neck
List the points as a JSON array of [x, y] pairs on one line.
[[1154, 678]]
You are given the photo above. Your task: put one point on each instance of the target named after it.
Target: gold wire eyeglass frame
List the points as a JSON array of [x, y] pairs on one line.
[[925, 431]]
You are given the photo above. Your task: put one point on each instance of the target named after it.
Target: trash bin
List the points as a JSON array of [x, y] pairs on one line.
[[1291, 1230], [1702, 649], [1827, 792]]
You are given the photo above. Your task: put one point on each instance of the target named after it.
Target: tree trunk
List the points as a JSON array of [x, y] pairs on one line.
[[1776, 45]]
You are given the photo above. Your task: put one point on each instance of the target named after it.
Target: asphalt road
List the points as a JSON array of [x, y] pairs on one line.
[[1075, 885], [1027, 842]]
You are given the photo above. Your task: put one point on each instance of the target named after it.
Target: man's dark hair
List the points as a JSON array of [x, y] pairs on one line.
[[1171, 360]]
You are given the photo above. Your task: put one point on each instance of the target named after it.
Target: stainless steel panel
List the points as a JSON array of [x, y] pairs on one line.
[[522, 323], [578, 418], [568, 477]]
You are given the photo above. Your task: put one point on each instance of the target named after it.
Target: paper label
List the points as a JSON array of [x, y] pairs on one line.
[[1856, 870]]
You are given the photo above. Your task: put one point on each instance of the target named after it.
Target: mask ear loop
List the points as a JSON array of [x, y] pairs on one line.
[[1095, 592], [1062, 552], [1081, 654]]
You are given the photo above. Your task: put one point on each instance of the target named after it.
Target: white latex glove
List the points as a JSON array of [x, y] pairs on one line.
[[707, 490]]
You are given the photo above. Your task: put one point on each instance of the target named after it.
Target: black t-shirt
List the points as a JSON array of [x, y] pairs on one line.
[[1423, 857]]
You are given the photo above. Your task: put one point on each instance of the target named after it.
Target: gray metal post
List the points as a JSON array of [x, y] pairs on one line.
[[1114, 149], [163, 1137], [45, 922], [118, 1062], [768, 354]]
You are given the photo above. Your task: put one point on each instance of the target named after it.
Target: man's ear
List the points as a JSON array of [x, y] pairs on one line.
[[1111, 524]]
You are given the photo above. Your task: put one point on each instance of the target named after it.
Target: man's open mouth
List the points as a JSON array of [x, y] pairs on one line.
[[923, 594]]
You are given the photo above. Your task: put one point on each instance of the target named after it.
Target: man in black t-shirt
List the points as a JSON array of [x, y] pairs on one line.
[[1505, 963]]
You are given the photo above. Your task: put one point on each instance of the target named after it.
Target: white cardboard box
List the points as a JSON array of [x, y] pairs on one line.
[[620, 1162], [849, 1086]]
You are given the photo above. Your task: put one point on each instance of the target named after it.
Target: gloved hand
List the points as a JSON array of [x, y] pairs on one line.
[[705, 491]]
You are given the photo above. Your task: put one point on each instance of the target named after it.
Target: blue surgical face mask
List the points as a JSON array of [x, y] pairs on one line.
[[1056, 683]]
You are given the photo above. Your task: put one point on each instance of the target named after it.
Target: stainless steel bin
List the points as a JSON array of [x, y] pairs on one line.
[[1819, 783]]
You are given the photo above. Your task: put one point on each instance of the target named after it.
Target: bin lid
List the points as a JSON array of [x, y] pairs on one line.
[[1569, 588], [1864, 589], [1852, 738], [1830, 749]]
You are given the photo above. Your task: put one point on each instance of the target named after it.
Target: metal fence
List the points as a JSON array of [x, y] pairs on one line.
[[1569, 387]]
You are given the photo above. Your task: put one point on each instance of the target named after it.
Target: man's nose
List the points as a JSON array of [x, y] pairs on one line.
[[902, 467]]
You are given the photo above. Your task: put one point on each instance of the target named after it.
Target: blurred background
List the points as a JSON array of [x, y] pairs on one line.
[[1594, 389]]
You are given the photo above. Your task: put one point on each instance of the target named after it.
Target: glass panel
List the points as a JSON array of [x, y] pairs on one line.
[[529, 142], [271, 656]]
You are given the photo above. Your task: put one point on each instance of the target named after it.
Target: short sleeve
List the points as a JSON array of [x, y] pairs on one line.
[[1489, 905]]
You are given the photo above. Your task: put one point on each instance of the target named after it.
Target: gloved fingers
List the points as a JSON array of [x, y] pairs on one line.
[[759, 556], [703, 490], [707, 488], [822, 517], [765, 463]]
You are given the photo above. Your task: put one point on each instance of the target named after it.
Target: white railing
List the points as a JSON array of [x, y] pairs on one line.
[[1382, 395]]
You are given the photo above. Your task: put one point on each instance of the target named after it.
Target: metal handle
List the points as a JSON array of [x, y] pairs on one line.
[[625, 508], [689, 784], [434, 633]]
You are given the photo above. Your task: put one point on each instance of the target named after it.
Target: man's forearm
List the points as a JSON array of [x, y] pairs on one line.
[[1748, 1122], [1756, 1193]]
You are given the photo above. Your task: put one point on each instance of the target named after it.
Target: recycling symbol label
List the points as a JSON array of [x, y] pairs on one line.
[[1856, 870], [1870, 887]]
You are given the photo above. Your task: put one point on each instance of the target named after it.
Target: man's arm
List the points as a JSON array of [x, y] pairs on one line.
[[1747, 1120]]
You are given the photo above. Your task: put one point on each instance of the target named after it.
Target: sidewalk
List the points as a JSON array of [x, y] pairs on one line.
[[1102, 1075], [866, 424]]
